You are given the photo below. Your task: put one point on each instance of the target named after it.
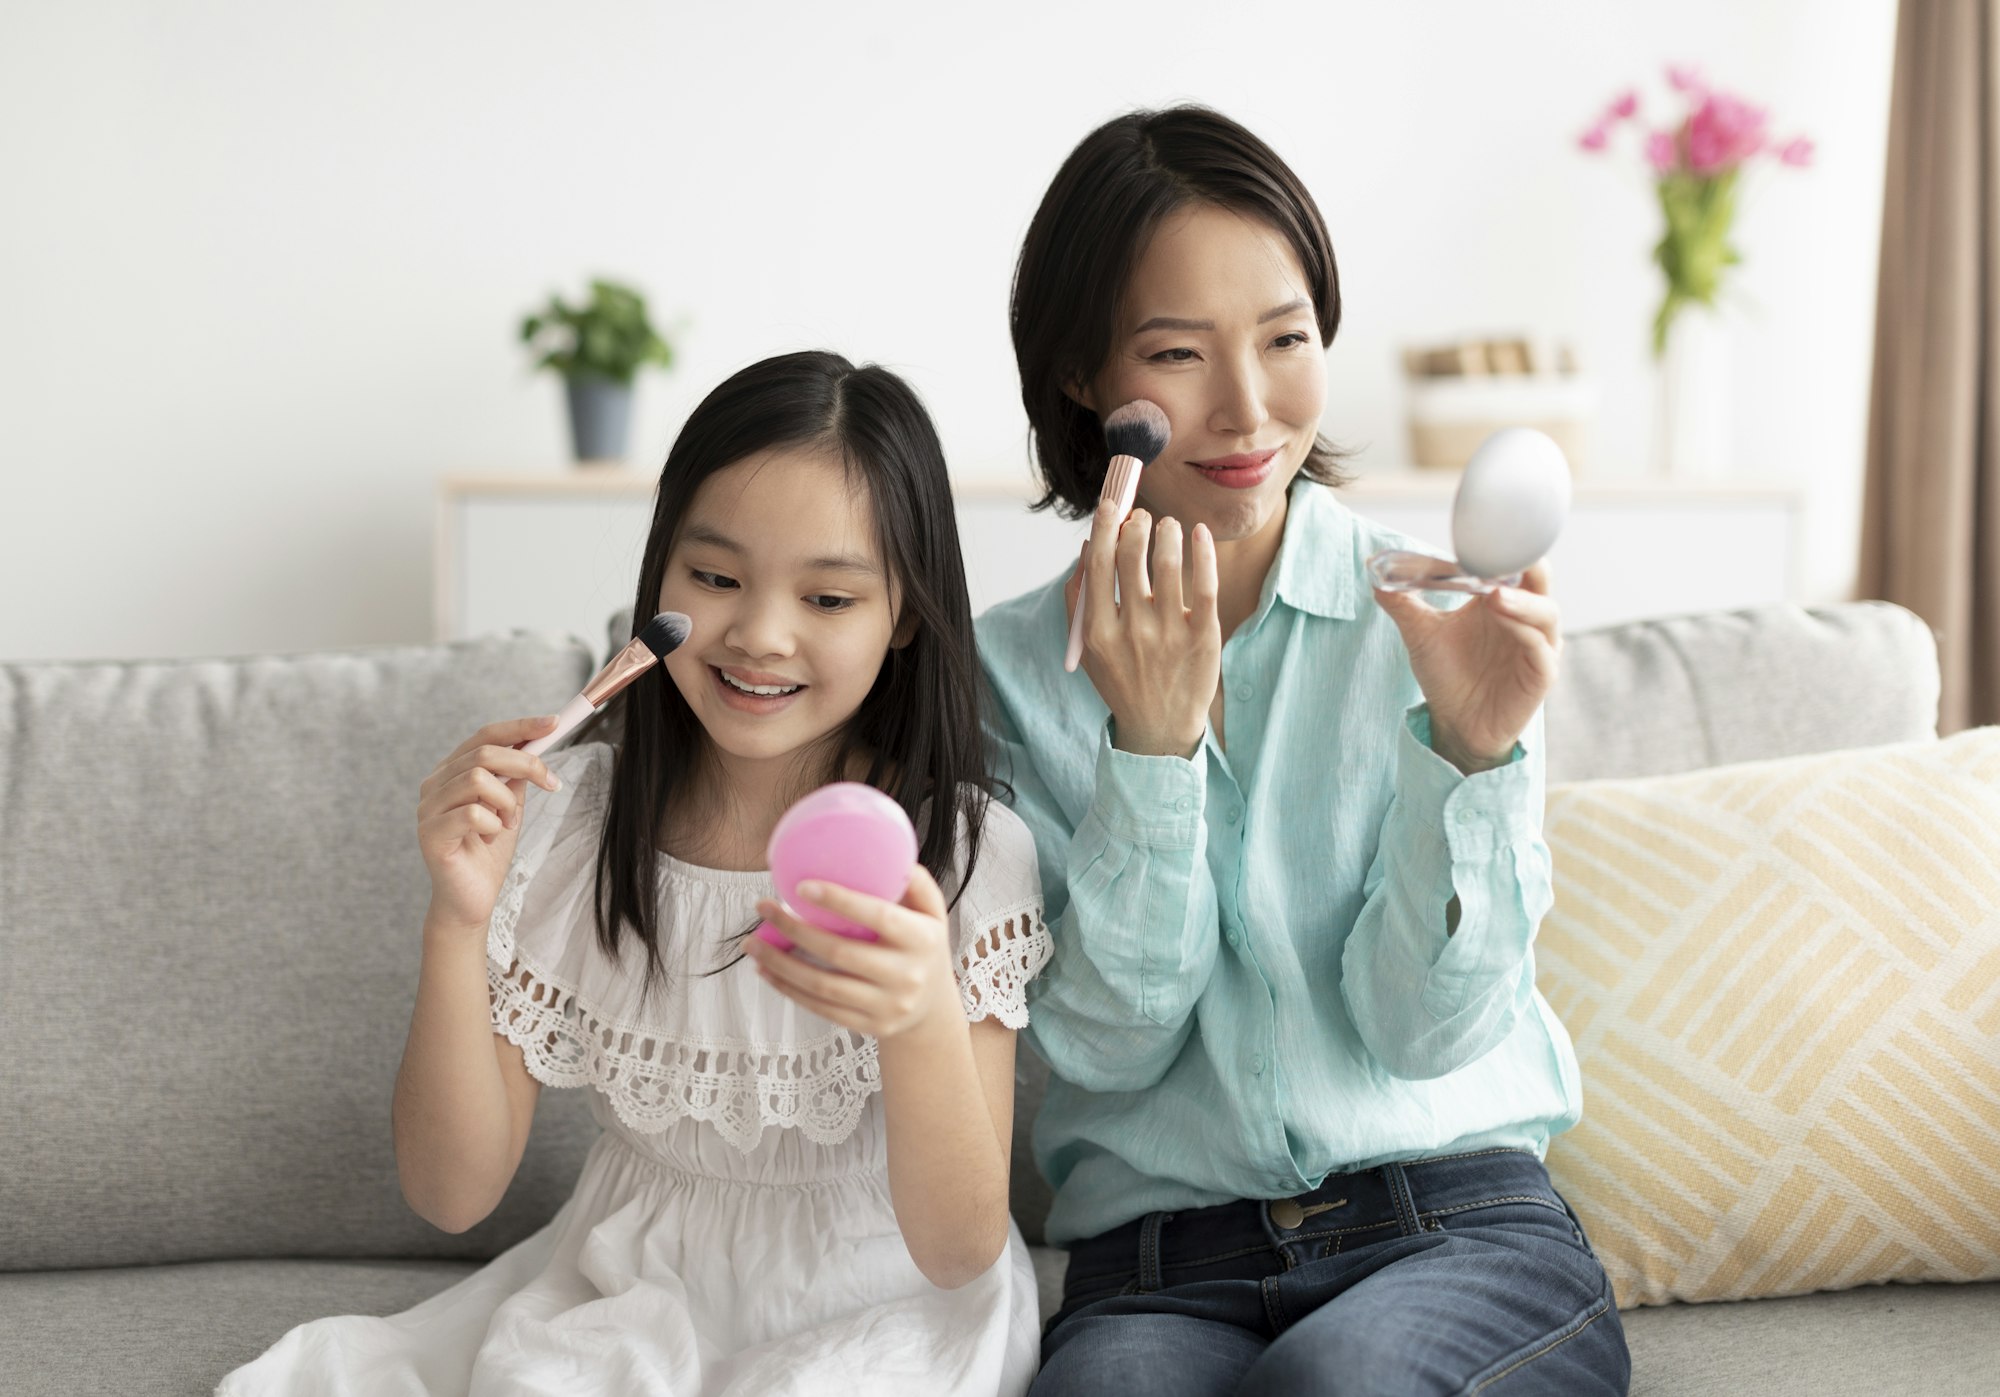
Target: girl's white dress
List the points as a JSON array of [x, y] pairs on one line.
[[731, 1230]]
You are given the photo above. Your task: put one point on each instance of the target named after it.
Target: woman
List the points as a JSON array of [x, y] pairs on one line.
[[1302, 1078]]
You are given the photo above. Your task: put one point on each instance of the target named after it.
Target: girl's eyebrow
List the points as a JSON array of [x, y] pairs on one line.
[[841, 562], [832, 562], [1168, 322]]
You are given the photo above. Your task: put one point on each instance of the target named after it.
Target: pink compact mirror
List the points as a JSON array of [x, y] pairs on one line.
[[848, 834]]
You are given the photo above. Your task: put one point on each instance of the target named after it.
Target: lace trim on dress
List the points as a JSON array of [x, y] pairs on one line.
[[652, 1079], [507, 912], [993, 973]]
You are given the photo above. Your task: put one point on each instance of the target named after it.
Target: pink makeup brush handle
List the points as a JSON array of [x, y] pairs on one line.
[[1121, 483], [573, 712]]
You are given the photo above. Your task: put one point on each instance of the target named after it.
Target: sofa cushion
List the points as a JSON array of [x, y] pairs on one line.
[[1937, 1340], [1652, 697], [1783, 981], [173, 1331], [210, 903]]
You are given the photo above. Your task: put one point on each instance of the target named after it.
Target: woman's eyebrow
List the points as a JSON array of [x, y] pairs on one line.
[[1169, 322], [1296, 303]]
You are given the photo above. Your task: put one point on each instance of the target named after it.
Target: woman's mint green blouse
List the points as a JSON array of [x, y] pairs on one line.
[[1253, 984]]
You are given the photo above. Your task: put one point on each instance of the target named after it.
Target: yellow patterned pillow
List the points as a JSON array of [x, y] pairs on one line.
[[1783, 979]]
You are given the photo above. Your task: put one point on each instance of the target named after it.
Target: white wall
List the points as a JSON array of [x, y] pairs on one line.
[[261, 265]]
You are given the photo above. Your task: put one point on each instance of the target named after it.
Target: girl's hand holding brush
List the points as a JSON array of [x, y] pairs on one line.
[[469, 812], [469, 818]]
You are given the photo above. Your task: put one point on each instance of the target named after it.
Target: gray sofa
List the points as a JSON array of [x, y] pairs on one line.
[[209, 900]]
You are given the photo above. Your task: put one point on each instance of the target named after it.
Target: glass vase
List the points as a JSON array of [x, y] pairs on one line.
[[1691, 434]]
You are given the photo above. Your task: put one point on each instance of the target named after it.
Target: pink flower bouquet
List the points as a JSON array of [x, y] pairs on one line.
[[1695, 163]]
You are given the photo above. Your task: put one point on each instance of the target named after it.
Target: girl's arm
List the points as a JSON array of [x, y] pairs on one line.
[[464, 1099], [948, 1095], [947, 1085]]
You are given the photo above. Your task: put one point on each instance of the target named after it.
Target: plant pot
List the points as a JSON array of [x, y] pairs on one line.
[[600, 417]]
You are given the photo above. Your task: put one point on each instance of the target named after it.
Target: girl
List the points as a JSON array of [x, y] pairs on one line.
[[1302, 1078], [802, 1181]]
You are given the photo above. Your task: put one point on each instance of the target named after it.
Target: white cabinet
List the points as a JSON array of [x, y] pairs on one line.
[[560, 552], [1632, 548]]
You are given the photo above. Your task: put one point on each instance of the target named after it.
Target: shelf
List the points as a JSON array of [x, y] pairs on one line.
[[558, 550], [1408, 483]]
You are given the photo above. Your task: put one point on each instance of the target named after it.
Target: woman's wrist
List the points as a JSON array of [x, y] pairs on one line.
[[1468, 761], [1142, 742]]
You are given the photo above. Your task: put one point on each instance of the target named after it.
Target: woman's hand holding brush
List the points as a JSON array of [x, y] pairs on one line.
[[1148, 638], [1135, 435], [1154, 648]]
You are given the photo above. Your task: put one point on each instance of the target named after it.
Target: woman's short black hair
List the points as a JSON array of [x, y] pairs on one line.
[[1086, 239]]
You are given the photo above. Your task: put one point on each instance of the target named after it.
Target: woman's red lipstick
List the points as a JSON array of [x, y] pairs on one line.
[[1238, 472]]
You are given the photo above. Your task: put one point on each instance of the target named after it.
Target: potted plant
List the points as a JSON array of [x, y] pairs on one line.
[[598, 348]]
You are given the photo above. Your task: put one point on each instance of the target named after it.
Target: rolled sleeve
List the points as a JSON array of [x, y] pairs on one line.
[[1136, 944], [1426, 999], [1148, 800]]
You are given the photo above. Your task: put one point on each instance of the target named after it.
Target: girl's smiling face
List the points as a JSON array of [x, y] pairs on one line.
[[1217, 326], [778, 566]]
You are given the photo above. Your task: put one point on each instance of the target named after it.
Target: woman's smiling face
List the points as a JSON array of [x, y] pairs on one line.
[[1218, 328], [776, 564]]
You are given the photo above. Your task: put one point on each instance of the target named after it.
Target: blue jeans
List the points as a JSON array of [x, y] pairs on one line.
[[1457, 1275]]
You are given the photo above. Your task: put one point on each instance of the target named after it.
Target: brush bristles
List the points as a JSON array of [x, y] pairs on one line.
[[665, 632], [1139, 430]]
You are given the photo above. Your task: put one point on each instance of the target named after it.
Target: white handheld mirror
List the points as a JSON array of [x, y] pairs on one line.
[[1510, 506]]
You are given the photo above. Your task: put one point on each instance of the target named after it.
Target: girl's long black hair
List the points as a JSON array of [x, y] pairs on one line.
[[918, 727]]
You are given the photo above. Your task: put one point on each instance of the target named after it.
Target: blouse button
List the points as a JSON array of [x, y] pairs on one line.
[[1234, 816], [1184, 804], [1243, 691], [1257, 1065]]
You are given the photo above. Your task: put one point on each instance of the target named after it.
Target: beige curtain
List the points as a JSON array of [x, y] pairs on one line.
[[1930, 534]]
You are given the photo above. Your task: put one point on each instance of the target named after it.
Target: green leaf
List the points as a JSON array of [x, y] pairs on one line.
[[608, 335], [1694, 251]]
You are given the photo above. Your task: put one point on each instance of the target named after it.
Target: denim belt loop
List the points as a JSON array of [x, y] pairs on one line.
[[1149, 1252], [1399, 1195]]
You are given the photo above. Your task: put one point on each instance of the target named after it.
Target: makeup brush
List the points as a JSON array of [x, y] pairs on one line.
[[661, 637], [1136, 433]]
